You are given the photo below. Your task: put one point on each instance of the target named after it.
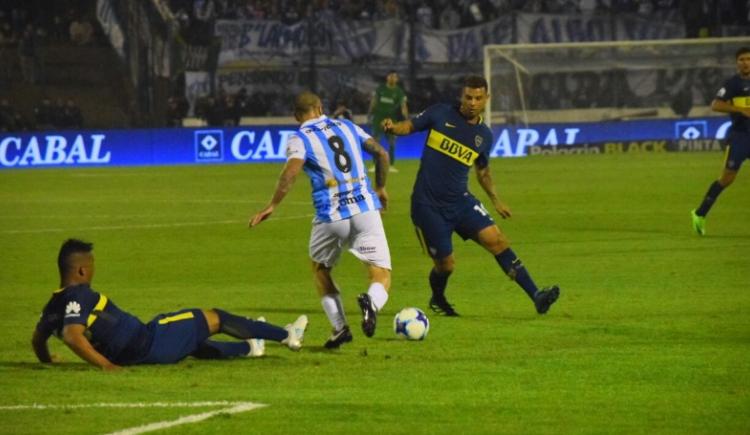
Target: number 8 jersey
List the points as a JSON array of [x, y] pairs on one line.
[[332, 151]]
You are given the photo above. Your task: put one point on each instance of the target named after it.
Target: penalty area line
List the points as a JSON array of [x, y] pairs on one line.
[[227, 408]]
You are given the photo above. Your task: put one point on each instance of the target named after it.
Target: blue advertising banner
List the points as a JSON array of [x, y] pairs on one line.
[[176, 146]]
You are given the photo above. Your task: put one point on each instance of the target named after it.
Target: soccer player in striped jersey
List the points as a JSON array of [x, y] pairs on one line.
[[733, 98], [105, 336], [441, 202], [347, 209]]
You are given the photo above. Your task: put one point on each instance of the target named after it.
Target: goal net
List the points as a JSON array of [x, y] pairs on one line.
[[606, 81]]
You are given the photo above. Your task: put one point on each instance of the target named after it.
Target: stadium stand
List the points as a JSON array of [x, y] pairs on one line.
[[157, 62]]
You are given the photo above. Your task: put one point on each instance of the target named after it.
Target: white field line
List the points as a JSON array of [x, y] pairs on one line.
[[147, 226], [188, 419], [229, 408]]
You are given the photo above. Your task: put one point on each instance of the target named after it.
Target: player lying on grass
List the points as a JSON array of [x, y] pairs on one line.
[[104, 335], [441, 203]]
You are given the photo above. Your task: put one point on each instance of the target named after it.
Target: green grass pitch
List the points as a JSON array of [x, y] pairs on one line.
[[651, 333]]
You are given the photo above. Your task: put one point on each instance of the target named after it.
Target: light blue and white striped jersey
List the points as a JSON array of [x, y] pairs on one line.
[[332, 150]]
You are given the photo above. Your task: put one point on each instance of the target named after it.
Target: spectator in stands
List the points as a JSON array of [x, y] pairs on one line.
[[177, 109], [449, 18], [72, 116], [425, 16], [44, 115], [57, 113], [699, 17], [28, 55], [81, 31], [204, 15], [7, 115], [19, 17], [7, 41], [243, 102], [230, 114]]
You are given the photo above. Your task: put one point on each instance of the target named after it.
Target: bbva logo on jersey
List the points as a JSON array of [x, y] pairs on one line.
[[209, 145]]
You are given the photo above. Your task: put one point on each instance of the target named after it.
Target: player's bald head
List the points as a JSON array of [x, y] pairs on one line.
[[306, 105], [73, 254]]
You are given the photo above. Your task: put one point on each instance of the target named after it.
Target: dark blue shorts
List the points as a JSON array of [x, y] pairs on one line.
[[175, 336], [738, 150], [435, 226]]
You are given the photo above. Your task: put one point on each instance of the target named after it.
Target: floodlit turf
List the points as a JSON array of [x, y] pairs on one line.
[[651, 333]]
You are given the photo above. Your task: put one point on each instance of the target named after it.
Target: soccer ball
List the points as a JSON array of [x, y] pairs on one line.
[[411, 323]]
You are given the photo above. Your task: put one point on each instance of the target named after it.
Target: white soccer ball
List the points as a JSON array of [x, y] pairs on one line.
[[411, 323]]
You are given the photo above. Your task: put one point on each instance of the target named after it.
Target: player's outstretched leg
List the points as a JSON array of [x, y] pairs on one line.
[[438, 302], [244, 328], [513, 267]]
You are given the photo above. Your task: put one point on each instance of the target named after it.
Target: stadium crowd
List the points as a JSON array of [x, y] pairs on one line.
[[60, 115], [447, 14]]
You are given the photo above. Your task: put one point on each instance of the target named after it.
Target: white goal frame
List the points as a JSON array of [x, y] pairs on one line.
[[493, 51]]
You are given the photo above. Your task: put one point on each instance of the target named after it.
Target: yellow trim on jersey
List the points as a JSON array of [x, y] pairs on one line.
[[743, 102], [99, 307], [451, 148], [176, 318]]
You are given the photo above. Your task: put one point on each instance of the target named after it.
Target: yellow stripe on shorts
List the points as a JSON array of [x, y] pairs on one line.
[[176, 318]]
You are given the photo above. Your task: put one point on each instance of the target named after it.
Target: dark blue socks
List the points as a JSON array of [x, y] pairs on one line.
[[513, 267], [244, 328], [708, 201], [438, 281], [211, 349]]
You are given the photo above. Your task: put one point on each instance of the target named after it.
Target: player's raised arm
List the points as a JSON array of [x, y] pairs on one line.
[[484, 177], [78, 343], [382, 162], [286, 180], [398, 128]]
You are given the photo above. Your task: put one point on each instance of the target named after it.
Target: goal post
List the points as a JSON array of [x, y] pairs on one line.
[[606, 81]]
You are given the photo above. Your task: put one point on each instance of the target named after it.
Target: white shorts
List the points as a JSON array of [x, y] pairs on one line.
[[363, 234]]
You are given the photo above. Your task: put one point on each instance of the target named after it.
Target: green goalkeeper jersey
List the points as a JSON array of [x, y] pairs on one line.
[[388, 103]]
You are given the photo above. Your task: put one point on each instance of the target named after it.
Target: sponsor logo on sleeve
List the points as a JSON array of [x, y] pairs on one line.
[[73, 309]]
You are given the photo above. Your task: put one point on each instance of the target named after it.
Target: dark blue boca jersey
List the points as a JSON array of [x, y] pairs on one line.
[[114, 333], [736, 91], [452, 147]]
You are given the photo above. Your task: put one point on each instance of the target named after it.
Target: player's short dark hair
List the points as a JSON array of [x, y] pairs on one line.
[[68, 249], [741, 51], [305, 102], [476, 82]]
